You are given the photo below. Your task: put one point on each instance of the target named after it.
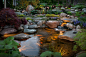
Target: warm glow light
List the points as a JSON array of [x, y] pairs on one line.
[[38, 44], [21, 49], [61, 33], [63, 24], [7, 35], [39, 35]]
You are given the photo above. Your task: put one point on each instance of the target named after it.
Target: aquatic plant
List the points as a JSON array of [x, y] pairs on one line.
[[80, 40], [8, 17], [50, 54], [9, 48]]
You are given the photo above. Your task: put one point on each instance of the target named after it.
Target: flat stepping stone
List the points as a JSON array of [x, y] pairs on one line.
[[30, 30], [21, 36]]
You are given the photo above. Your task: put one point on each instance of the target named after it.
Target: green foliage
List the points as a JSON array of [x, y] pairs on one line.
[[69, 13], [82, 55], [82, 19], [49, 54], [33, 12], [40, 16], [8, 48], [78, 14], [29, 18], [80, 39], [56, 12], [79, 6], [22, 15], [50, 15]]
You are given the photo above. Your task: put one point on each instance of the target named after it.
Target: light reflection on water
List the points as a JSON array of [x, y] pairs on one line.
[[30, 46], [47, 39]]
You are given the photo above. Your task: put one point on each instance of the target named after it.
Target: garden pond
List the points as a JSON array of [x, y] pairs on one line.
[[44, 40]]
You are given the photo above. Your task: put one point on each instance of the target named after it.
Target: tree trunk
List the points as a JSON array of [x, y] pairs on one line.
[[1, 4]]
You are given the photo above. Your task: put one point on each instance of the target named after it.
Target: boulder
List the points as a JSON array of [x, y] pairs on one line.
[[40, 23], [65, 38], [33, 26], [52, 24], [8, 26], [30, 30], [68, 35], [63, 14], [25, 26], [21, 27], [18, 13], [78, 27], [7, 31], [29, 8], [69, 25], [21, 36]]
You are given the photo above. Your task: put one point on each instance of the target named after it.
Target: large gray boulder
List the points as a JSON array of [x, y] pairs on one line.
[[33, 26], [30, 30], [8, 31], [68, 35], [21, 36]]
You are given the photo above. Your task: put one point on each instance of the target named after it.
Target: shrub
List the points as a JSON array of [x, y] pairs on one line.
[[8, 17], [80, 40], [9, 48]]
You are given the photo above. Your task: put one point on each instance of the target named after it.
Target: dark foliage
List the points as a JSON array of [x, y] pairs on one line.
[[8, 17]]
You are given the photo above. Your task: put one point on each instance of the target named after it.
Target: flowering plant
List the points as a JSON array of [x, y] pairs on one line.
[[81, 21]]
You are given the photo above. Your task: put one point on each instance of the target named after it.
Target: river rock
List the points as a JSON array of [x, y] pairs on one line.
[[68, 35], [78, 27], [29, 8], [21, 27], [63, 14], [33, 26], [69, 25], [65, 38], [84, 10], [21, 36], [28, 23], [25, 26], [40, 23], [18, 13], [7, 31], [53, 24], [30, 30]]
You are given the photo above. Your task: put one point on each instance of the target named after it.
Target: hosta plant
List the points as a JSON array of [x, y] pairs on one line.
[[8, 17], [9, 48], [50, 54]]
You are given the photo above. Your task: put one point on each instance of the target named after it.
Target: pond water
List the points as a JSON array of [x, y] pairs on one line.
[[44, 40]]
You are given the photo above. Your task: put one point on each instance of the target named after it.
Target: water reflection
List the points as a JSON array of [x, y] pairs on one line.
[[49, 41], [46, 39], [30, 47]]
